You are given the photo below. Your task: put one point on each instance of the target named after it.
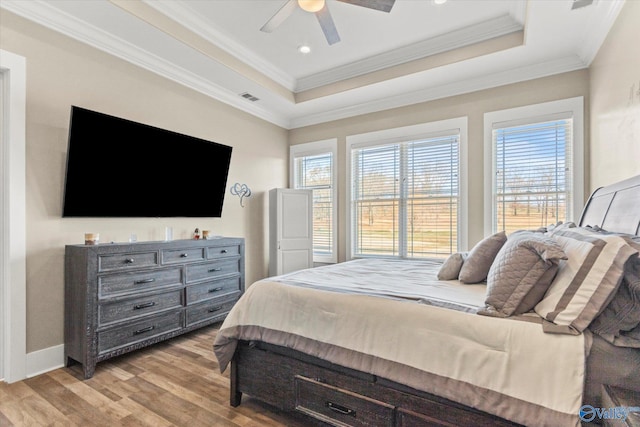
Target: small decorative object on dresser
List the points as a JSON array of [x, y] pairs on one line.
[[91, 238], [122, 297], [620, 407]]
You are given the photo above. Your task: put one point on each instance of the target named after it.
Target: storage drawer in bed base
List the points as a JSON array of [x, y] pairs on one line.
[[295, 382], [339, 407]]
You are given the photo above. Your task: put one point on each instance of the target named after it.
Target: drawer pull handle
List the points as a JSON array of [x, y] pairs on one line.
[[143, 330], [340, 409], [224, 251], [213, 270], [184, 255], [145, 305], [129, 261], [139, 282], [215, 290], [214, 309]]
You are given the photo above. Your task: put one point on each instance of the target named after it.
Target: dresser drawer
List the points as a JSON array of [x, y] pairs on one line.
[[138, 281], [139, 306], [214, 289], [215, 252], [340, 407], [141, 330], [212, 270], [127, 261], [209, 310], [174, 256]]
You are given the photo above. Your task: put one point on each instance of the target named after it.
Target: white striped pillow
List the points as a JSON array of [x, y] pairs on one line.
[[586, 280]]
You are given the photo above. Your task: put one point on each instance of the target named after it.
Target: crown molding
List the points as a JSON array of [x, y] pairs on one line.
[[51, 17], [515, 75], [183, 14], [476, 33], [45, 14], [598, 31], [496, 27], [518, 10]]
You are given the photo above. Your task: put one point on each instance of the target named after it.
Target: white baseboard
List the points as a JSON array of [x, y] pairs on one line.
[[45, 360]]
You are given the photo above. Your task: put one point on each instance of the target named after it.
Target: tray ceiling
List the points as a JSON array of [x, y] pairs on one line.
[[417, 52]]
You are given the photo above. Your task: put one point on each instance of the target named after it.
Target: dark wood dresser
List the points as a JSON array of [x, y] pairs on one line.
[[120, 297]]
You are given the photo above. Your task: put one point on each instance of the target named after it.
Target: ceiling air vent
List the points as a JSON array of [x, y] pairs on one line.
[[577, 4], [250, 97]]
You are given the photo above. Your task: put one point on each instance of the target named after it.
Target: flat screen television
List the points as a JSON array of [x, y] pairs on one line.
[[120, 168]]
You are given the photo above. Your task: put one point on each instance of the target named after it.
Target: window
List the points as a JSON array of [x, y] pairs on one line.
[[536, 165], [406, 193], [313, 168]]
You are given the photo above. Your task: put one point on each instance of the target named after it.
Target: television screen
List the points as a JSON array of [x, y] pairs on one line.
[[120, 168]]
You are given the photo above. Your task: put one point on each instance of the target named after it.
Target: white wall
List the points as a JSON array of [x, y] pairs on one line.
[[615, 101], [62, 72]]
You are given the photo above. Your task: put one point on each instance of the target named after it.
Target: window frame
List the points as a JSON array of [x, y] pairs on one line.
[[529, 114], [313, 149], [404, 134]]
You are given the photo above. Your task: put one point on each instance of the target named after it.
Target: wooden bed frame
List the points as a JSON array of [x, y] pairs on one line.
[[332, 394]]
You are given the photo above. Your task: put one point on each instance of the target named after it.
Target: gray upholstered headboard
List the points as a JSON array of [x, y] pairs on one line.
[[615, 207]]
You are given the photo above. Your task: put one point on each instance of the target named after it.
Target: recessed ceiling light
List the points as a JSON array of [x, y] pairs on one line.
[[304, 49], [439, 1]]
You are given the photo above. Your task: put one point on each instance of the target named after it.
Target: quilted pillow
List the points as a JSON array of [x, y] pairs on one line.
[[586, 281], [629, 339], [478, 262], [451, 267], [521, 273], [622, 314]]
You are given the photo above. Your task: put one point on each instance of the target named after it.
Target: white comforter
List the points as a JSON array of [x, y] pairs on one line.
[[506, 367]]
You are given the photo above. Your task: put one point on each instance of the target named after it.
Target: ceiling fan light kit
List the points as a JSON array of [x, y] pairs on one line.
[[321, 10], [311, 5]]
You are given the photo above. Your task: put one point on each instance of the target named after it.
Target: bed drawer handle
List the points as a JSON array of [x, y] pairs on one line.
[[184, 255], [224, 251], [145, 305], [213, 270], [340, 409], [143, 330], [215, 290], [129, 261], [139, 282], [214, 309]]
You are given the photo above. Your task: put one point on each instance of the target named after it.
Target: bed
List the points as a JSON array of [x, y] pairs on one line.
[[384, 342]]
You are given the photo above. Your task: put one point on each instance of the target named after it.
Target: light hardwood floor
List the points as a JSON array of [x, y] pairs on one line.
[[175, 383]]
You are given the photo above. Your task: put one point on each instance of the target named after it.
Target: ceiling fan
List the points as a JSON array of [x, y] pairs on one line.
[[320, 9]]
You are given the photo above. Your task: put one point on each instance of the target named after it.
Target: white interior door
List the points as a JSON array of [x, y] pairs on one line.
[[292, 219]]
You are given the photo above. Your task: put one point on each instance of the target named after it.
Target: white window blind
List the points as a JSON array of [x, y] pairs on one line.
[[315, 172], [405, 198], [533, 174]]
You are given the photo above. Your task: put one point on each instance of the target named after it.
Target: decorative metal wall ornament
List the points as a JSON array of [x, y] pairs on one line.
[[241, 191]]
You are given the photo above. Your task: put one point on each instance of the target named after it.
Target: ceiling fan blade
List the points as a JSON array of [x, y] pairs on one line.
[[283, 13], [381, 5], [327, 25]]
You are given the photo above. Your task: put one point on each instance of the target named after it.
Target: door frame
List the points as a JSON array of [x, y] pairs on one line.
[[13, 226]]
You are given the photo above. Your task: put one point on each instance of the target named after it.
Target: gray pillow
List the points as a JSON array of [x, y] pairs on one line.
[[478, 262], [622, 314], [584, 286], [451, 267], [521, 273], [629, 339]]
